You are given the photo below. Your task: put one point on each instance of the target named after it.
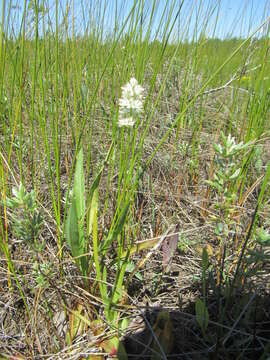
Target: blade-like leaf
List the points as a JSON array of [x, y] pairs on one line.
[[93, 205], [117, 228], [75, 219], [202, 315], [79, 187], [93, 194], [72, 231]]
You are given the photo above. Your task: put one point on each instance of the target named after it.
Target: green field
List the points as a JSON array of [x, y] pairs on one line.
[[134, 179]]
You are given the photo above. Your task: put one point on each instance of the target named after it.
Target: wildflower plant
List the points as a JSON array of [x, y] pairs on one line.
[[83, 215]]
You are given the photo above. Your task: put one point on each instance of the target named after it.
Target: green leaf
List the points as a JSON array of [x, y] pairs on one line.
[[92, 207], [93, 194], [117, 228], [130, 268], [235, 174], [117, 292], [72, 231], [79, 187], [218, 148], [75, 219], [123, 324], [263, 237], [202, 315]]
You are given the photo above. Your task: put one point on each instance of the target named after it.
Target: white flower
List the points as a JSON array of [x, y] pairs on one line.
[[131, 103], [126, 122], [127, 105]]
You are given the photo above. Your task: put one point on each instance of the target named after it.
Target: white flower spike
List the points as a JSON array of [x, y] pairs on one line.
[[131, 103]]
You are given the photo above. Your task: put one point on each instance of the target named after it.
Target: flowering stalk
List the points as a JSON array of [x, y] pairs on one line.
[[130, 109]]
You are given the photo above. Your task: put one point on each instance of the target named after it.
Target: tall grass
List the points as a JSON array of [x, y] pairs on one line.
[[62, 66]]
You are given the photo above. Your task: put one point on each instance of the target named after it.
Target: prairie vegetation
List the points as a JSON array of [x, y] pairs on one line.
[[134, 178]]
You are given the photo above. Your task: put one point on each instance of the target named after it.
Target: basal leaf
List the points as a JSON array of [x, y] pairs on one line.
[[72, 230], [75, 219]]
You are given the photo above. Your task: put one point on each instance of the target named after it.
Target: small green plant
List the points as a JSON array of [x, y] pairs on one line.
[[25, 216], [226, 177], [183, 242], [41, 273], [225, 182]]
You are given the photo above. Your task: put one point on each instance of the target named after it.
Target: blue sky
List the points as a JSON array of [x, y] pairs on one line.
[[240, 17], [236, 18]]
